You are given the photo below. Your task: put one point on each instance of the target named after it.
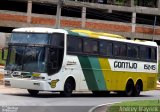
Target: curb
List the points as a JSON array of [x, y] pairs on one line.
[[158, 85], [158, 88], [102, 108], [1, 79], [1, 74]]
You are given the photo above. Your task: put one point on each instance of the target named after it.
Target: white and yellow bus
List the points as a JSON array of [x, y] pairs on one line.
[[46, 59]]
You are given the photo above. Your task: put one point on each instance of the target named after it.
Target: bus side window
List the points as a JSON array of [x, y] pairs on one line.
[[116, 49], [143, 53], [154, 54], [148, 53], [120, 49], [132, 51], [123, 50], [105, 48], [90, 46], [74, 45]]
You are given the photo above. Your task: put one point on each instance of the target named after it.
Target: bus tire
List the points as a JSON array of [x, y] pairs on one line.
[[129, 88], [137, 88], [33, 92], [68, 88]]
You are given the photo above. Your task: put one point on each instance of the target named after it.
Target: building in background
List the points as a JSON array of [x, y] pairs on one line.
[[134, 19]]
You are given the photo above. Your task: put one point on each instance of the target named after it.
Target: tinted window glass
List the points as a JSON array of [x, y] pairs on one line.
[[123, 50], [143, 52], [90, 46], [154, 54], [132, 51], [74, 44], [148, 55], [120, 49], [57, 39], [105, 48], [116, 50]]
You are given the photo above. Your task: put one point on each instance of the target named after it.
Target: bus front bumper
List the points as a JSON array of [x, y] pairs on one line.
[[27, 84]]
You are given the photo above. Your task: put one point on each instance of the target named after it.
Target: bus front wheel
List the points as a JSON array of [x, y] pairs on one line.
[[33, 92], [68, 88]]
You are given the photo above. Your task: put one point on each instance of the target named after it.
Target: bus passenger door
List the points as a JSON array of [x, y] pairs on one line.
[[55, 60]]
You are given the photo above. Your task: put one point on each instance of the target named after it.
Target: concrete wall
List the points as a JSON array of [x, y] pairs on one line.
[[3, 39], [132, 30], [18, 19]]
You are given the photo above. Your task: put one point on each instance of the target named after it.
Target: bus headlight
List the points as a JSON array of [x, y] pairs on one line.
[[7, 74], [36, 76]]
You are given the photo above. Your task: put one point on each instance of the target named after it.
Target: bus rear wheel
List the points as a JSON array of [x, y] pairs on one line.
[[137, 89], [68, 88], [33, 92], [129, 88]]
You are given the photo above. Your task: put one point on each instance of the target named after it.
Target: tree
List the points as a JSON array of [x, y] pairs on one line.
[[147, 3]]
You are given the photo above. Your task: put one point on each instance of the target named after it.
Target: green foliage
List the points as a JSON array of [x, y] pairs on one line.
[[158, 71], [2, 62], [120, 2], [139, 106], [146, 3]]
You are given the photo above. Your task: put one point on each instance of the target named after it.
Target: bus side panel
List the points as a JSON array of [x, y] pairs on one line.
[[88, 73], [72, 67], [106, 70], [98, 74], [116, 80]]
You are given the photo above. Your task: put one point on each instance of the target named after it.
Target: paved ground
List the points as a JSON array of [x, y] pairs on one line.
[[53, 101]]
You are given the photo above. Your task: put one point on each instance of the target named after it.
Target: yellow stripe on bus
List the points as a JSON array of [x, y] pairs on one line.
[[106, 70], [97, 34]]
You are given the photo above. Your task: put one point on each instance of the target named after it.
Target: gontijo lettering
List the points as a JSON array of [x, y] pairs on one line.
[[129, 65]]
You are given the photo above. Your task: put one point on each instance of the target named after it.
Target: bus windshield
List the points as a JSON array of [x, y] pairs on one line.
[[29, 59], [35, 52]]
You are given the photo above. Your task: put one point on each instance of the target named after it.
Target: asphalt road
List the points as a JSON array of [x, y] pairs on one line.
[[79, 102]]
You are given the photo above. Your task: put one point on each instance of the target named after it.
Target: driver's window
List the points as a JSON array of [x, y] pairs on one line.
[[57, 40]]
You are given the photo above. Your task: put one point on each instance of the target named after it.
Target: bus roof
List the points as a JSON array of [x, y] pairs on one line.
[[39, 30], [140, 42], [108, 36], [95, 34]]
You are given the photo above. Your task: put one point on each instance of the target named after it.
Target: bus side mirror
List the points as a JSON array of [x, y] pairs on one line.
[[4, 53]]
